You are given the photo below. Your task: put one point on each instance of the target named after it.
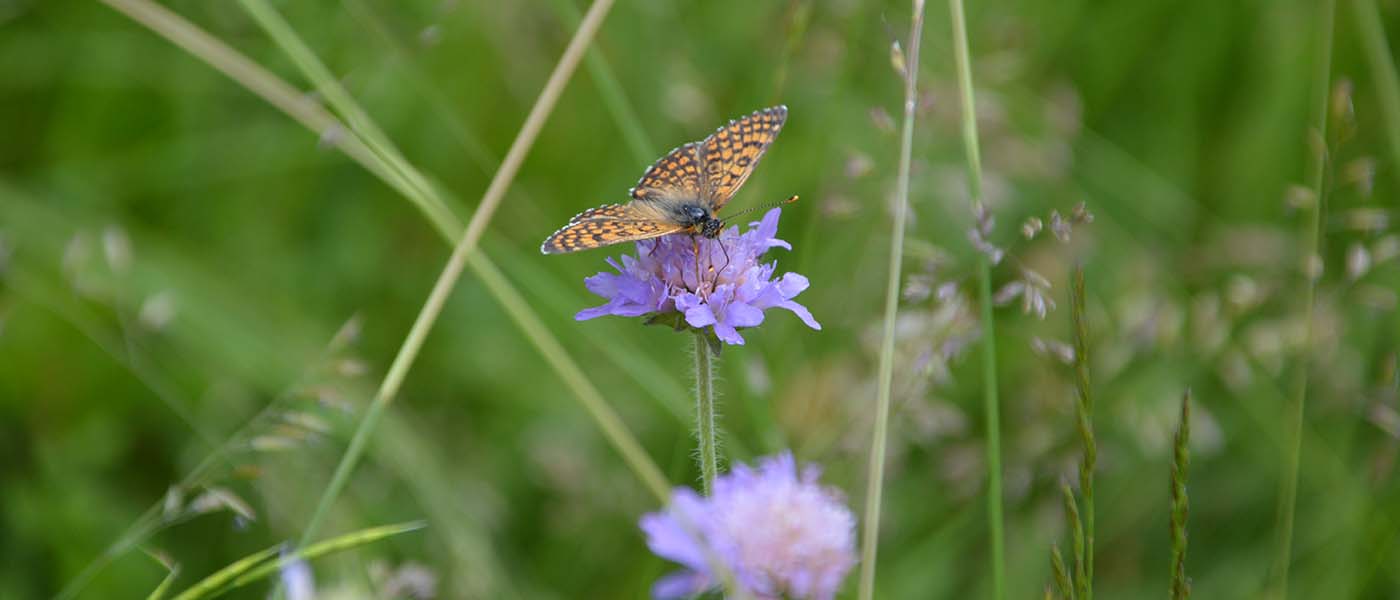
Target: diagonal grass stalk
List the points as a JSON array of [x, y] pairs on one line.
[[1382, 63], [292, 102], [306, 61], [282, 33], [1312, 245], [614, 98], [990, 404], [870, 535]]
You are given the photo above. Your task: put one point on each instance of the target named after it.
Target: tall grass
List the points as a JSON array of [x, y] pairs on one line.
[[1180, 507], [1372, 28], [301, 55], [870, 536], [1084, 418], [990, 404], [1311, 271], [286, 98]]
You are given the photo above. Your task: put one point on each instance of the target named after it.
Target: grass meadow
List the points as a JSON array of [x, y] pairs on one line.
[[274, 322]]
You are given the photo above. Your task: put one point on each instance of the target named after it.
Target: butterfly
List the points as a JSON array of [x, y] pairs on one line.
[[681, 192]]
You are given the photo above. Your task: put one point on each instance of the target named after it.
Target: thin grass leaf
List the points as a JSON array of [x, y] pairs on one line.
[[1084, 416], [319, 549], [1057, 568], [171, 572], [1076, 530], [259, 565], [1181, 465], [1382, 62], [213, 583], [463, 250], [614, 97], [1312, 247], [326, 83], [875, 480], [990, 404]]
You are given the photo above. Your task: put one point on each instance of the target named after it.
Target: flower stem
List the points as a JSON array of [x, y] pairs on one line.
[[870, 535], [984, 292], [705, 413], [1288, 492]]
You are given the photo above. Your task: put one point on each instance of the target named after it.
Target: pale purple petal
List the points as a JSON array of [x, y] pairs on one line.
[[681, 584], [670, 534], [728, 334], [738, 314], [802, 313], [777, 531]]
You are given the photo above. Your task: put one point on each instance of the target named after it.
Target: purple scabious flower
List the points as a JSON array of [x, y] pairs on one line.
[[778, 531], [724, 287]]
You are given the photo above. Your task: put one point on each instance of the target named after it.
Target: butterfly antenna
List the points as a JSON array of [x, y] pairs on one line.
[[790, 200]]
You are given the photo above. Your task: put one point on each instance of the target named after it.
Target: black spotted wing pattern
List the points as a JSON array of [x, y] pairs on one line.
[[606, 225], [730, 154], [708, 173]]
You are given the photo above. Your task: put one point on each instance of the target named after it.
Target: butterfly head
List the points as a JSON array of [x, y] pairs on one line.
[[711, 228]]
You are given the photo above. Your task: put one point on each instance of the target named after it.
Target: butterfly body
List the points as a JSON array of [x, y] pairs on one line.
[[682, 192]]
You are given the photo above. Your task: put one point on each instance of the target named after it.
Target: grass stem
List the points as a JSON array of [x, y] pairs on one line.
[[1181, 465], [1370, 25], [990, 404], [1084, 413], [705, 414], [1311, 263], [316, 118], [447, 280], [871, 534]]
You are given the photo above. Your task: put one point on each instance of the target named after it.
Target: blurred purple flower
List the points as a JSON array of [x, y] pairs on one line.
[[727, 287], [778, 532]]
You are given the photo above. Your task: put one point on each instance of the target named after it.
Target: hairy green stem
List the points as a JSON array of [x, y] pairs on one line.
[[874, 483], [705, 414], [1311, 263], [990, 405]]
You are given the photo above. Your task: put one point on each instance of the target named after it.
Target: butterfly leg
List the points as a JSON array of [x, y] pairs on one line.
[[725, 250]]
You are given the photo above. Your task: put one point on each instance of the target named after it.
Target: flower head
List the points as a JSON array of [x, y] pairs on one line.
[[776, 530], [716, 283]]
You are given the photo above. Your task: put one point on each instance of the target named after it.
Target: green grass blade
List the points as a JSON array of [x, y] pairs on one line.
[[870, 536], [210, 585], [1382, 63], [1084, 416], [345, 542], [259, 565], [171, 572], [1312, 246], [1181, 465], [990, 404]]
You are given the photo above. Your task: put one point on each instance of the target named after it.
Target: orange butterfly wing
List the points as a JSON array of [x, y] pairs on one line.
[[607, 225], [708, 172], [730, 154]]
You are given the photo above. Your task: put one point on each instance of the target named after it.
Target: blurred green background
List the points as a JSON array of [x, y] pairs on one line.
[[198, 296]]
